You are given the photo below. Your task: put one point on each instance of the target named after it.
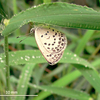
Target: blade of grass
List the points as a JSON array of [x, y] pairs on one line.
[[24, 79], [65, 80], [56, 14], [28, 56], [83, 41], [66, 92], [91, 75], [62, 82], [14, 40]]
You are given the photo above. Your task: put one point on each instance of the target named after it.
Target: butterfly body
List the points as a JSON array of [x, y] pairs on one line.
[[51, 43]]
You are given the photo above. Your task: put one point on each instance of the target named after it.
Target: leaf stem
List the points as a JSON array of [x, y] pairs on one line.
[[7, 65]]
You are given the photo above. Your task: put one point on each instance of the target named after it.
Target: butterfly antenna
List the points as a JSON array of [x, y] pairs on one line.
[[23, 39], [31, 31]]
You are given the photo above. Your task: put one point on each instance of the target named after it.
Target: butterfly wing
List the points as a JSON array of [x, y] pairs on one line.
[[51, 43]]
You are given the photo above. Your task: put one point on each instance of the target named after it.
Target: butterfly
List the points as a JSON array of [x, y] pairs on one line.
[[51, 43]]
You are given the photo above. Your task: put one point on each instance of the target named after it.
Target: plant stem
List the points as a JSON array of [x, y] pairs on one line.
[[94, 53], [7, 65]]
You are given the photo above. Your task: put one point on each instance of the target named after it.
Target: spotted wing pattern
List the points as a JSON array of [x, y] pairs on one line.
[[51, 43]]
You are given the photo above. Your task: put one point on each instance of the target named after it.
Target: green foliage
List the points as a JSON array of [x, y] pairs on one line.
[[60, 14], [78, 65]]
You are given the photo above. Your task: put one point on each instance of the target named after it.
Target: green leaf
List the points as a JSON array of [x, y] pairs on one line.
[[14, 40], [62, 82], [83, 41], [59, 14], [90, 49], [59, 83], [38, 72], [96, 63], [24, 79], [35, 56], [75, 94], [91, 75], [57, 70]]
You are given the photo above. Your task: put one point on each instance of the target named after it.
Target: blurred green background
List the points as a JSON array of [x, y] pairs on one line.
[[40, 75]]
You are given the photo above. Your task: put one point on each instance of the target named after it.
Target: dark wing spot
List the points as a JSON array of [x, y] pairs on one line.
[[52, 29], [52, 44], [54, 38], [50, 55], [59, 42], [49, 44], [41, 35], [59, 38], [57, 49], [62, 44], [62, 39], [50, 63], [48, 48], [53, 49], [54, 55], [55, 33], [47, 31], [45, 43], [61, 33]]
